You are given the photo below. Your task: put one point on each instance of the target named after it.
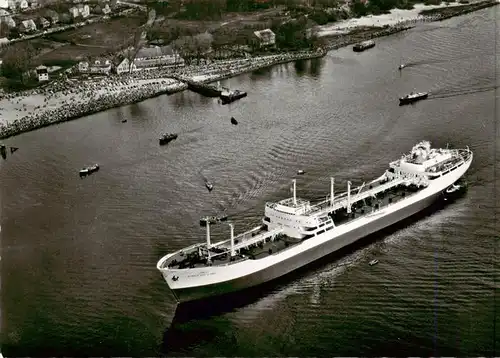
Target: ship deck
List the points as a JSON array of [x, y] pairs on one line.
[[373, 189], [257, 244]]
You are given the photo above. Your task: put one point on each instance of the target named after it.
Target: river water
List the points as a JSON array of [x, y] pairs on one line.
[[79, 255]]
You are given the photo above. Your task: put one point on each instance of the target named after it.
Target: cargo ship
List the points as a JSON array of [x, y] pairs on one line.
[[295, 232]]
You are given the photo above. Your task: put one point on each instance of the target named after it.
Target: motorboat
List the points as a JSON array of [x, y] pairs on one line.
[[89, 170], [401, 66], [167, 138], [452, 188], [228, 96], [413, 97], [373, 262], [300, 172], [365, 45], [209, 186]]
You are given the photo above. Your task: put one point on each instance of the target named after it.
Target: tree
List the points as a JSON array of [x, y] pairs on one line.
[[16, 60], [4, 29], [139, 40]]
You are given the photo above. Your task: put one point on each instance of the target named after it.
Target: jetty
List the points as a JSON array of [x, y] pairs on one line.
[[204, 89]]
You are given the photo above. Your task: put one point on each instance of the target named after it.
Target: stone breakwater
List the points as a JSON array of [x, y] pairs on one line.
[[339, 41], [441, 14], [230, 68], [438, 14], [77, 100]]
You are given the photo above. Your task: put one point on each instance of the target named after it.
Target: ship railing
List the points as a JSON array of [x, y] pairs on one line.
[[253, 240], [342, 203], [240, 237]]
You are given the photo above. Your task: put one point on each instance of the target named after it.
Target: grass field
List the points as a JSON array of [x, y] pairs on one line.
[[72, 52], [111, 34]]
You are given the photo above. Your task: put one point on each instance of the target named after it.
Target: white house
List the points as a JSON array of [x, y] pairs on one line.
[[157, 56], [42, 73], [73, 12], [27, 26], [23, 5], [106, 9], [83, 66], [101, 67], [265, 37], [124, 66], [84, 10], [79, 11]]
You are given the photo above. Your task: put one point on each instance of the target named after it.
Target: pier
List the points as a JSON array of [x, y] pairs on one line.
[[205, 89]]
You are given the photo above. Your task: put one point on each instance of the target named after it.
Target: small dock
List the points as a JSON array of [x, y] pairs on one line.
[[204, 89]]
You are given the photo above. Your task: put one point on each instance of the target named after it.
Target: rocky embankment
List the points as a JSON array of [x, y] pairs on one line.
[[339, 40], [229, 68], [67, 100]]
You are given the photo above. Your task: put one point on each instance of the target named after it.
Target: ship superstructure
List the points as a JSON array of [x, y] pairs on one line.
[[294, 232]]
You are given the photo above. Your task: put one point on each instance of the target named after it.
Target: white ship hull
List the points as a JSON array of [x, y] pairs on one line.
[[204, 282]]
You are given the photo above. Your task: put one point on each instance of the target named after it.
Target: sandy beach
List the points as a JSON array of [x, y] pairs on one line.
[[396, 17], [65, 100], [75, 92]]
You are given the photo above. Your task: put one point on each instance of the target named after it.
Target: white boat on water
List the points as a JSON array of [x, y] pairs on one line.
[[413, 97], [295, 232], [89, 170]]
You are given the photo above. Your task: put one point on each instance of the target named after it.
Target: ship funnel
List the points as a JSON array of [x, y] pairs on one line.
[[231, 225], [294, 181]]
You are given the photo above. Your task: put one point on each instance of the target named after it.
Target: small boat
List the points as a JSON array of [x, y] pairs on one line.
[[229, 96], [413, 97], [365, 45], [212, 220], [373, 262], [89, 170], [13, 149], [401, 66], [167, 138], [209, 186], [300, 172], [234, 121], [452, 188], [124, 121]]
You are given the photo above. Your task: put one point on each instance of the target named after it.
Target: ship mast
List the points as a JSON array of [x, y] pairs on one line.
[[294, 181], [332, 190], [232, 239], [348, 197], [209, 245]]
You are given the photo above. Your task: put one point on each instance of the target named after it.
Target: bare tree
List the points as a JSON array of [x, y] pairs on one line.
[[4, 29], [202, 44]]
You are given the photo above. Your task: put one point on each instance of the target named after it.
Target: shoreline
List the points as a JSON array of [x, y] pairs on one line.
[[65, 101]]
